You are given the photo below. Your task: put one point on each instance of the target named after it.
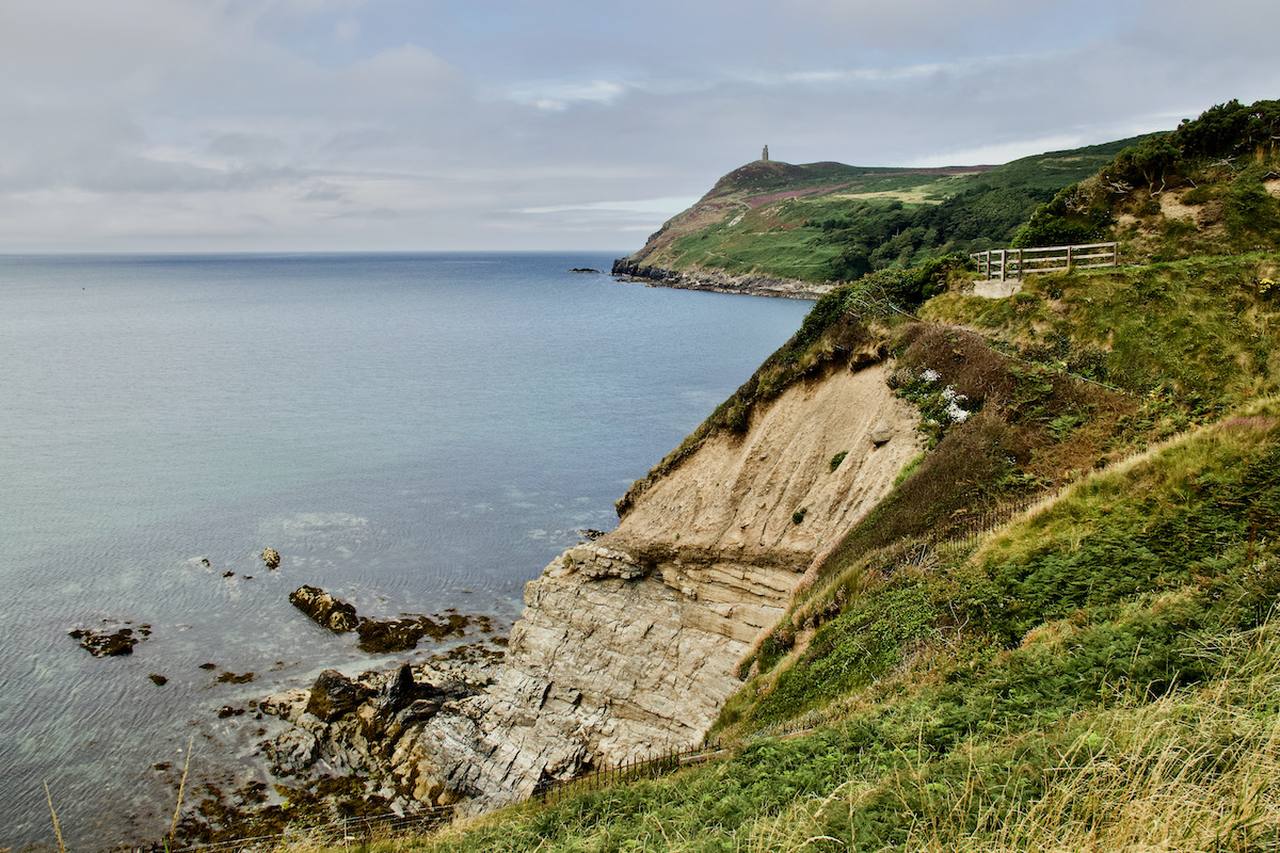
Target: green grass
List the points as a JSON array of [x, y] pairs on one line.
[[960, 697], [1197, 334], [854, 220]]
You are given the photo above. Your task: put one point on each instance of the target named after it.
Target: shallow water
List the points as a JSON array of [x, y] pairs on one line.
[[412, 433]]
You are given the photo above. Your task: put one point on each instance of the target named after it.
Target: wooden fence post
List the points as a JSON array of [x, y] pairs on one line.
[[1069, 259]]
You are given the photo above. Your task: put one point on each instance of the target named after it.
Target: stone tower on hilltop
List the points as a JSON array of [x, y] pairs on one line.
[[764, 155]]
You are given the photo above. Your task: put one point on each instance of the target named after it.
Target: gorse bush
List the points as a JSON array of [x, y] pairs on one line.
[[1211, 148]]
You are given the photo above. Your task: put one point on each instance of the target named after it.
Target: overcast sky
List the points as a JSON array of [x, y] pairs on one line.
[[252, 125]]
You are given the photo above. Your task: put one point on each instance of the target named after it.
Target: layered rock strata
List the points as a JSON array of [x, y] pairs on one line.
[[628, 645]]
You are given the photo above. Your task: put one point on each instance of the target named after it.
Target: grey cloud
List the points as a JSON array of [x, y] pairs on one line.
[[145, 124]]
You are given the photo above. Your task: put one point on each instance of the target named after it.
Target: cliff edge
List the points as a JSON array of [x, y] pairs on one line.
[[629, 645]]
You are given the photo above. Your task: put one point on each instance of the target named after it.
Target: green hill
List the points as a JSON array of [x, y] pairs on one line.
[[828, 221]]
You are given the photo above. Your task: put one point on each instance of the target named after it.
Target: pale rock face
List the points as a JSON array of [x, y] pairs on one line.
[[628, 645]]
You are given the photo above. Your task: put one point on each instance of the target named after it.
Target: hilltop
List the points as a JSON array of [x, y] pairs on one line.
[[822, 222]]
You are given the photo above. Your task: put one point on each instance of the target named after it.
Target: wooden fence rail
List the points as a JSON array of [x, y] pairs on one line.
[[1005, 264]]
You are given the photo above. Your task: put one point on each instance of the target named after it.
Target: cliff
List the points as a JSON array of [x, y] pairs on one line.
[[1044, 621], [629, 645]]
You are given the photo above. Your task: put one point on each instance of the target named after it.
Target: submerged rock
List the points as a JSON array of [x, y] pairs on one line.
[[403, 634], [332, 613], [111, 641], [233, 678], [158, 680], [392, 635], [271, 557]]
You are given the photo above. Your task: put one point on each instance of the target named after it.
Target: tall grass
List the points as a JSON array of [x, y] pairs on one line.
[[1189, 771]]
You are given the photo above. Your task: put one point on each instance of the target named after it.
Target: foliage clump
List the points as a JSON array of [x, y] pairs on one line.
[[1216, 163]]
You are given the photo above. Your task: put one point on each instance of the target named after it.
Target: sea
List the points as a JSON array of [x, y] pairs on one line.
[[412, 432]]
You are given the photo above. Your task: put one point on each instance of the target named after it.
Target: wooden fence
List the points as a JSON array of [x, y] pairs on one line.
[[1005, 264]]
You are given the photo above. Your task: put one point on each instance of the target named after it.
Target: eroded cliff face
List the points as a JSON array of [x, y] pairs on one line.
[[628, 645]]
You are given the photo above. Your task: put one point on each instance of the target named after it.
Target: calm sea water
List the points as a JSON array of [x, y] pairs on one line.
[[411, 432]]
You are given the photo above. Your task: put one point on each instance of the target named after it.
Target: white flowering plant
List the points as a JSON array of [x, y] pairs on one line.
[[940, 404]]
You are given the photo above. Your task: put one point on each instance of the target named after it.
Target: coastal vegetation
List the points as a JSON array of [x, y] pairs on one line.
[[1056, 626], [1100, 670], [827, 221], [1057, 630]]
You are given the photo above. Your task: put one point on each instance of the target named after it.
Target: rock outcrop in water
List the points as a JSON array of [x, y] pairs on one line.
[[629, 645], [398, 634], [332, 613], [719, 281], [111, 640]]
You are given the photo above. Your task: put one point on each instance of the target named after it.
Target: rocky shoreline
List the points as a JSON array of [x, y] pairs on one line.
[[336, 750], [628, 645], [627, 269]]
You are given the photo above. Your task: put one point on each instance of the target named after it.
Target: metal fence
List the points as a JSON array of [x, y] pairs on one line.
[[661, 764], [1004, 264]]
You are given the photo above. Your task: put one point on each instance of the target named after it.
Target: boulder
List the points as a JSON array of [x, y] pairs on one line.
[[334, 695], [271, 557], [880, 433], [332, 613]]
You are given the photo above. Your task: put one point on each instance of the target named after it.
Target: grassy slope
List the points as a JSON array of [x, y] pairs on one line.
[[826, 221], [1097, 673], [1094, 673]]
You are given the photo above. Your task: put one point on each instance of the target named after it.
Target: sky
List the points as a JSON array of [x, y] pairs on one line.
[[367, 125]]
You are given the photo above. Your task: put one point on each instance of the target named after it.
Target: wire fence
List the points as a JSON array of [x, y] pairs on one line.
[[966, 533], [353, 833]]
